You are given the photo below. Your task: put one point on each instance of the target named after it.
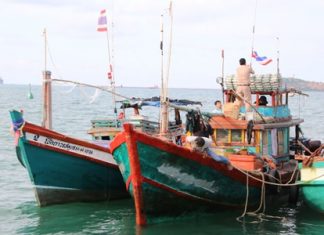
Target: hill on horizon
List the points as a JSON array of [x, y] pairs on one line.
[[303, 85]]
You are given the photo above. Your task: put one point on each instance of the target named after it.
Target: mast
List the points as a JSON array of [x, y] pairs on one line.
[[111, 75], [278, 54], [163, 108], [164, 80], [47, 90], [113, 60], [222, 84]]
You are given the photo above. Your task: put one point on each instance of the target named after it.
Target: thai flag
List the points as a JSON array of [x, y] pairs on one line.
[[261, 59], [102, 22]]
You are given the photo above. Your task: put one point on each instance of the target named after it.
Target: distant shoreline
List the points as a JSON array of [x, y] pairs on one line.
[[296, 83]]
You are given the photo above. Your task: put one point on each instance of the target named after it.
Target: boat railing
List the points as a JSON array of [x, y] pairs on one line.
[[146, 126]]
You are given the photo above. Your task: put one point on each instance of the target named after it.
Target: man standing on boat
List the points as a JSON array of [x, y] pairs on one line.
[[243, 84]]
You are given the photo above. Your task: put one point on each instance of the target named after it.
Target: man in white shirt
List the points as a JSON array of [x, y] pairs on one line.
[[203, 144], [243, 84], [218, 107]]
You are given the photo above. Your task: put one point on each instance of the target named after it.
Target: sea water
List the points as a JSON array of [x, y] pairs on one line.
[[72, 112]]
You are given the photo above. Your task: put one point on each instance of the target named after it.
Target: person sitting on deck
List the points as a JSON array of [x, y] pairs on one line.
[[203, 144], [262, 101], [136, 115], [218, 107], [121, 115]]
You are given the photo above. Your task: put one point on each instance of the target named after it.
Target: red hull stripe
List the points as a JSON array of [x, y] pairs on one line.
[[74, 154], [28, 127]]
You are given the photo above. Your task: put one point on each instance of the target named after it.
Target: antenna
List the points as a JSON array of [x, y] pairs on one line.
[[253, 29], [222, 84], [278, 55]]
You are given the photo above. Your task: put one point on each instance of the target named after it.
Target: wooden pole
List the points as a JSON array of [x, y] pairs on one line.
[[47, 100], [163, 98]]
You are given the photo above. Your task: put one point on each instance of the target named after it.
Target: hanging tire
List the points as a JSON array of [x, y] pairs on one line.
[[293, 194], [273, 178], [294, 191]]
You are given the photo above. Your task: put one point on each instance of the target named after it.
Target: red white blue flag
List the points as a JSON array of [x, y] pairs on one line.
[[102, 22], [261, 59]]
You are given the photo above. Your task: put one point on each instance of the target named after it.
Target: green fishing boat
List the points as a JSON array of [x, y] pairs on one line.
[[312, 179]]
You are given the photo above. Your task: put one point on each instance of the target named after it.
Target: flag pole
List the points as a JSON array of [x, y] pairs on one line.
[[103, 27], [110, 73], [222, 84], [278, 54], [253, 30], [112, 58], [163, 105]]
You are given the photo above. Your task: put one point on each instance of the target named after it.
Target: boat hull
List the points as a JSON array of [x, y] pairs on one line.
[[61, 178], [313, 191], [168, 179], [64, 169]]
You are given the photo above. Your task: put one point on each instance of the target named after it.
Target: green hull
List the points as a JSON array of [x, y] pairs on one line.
[[313, 190], [64, 169], [173, 184]]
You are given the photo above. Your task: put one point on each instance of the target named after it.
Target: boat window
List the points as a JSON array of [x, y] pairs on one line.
[[281, 140], [222, 136], [236, 135], [265, 142], [105, 138]]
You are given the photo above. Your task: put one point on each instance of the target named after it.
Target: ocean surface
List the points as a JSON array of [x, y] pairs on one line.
[[72, 112]]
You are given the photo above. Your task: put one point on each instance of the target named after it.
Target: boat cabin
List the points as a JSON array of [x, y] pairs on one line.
[[262, 132]]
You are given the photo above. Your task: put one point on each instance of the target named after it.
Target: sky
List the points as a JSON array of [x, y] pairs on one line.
[[201, 30]]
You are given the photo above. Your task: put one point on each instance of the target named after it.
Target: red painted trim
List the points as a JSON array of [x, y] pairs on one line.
[[72, 154], [184, 153], [117, 141], [135, 172], [128, 181], [32, 128]]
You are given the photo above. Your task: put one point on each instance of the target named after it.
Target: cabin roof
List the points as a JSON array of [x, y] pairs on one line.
[[222, 122]]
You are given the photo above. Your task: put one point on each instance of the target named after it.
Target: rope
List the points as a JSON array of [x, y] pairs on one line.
[[89, 85], [246, 200], [276, 184], [260, 216]]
